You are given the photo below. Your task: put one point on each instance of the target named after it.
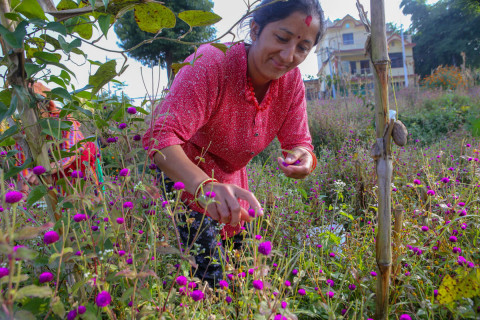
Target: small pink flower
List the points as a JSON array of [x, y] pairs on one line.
[[330, 294], [103, 299], [302, 292], [257, 284], [265, 248], [38, 170], [45, 277], [197, 295], [182, 280], [125, 172], [76, 174], [13, 196], [424, 228], [223, 284], [178, 185], [51, 237], [128, 204], [120, 220], [132, 110], [79, 217], [431, 192], [4, 272]]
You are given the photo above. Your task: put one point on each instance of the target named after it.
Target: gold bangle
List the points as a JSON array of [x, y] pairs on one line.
[[200, 186]]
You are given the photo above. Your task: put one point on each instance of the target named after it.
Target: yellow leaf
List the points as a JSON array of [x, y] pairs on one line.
[[447, 292]]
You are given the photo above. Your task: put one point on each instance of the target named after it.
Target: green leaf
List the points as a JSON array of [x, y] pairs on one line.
[[84, 28], [104, 74], [6, 97], [6, 112], [15, 39], [9, 132], [104, 23], [61, 93], [36, 194], [58, 255], [68, 47], [29, 232], [57, 27], [58, 308], [53, 127], [199, 18], [31, 9], [153, 17], [177, 66], [25, 253], [47, 56], [15, 170], [24, 315], [32, 68], [33, 291], [220, 46], [349, 216]]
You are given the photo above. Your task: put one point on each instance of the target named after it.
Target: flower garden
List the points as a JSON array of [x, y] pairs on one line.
[[312, 254]]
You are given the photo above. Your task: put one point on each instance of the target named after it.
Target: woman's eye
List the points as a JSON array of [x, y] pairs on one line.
[[281, 39], [303, 49]]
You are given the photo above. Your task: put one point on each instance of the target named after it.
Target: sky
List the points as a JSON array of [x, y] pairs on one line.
[[230, 11]]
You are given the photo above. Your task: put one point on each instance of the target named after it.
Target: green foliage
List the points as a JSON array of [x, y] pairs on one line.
[[440, 117], [442, 31], [165, 52]]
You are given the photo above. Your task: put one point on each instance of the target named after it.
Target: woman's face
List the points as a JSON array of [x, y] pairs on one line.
[[281, 46]]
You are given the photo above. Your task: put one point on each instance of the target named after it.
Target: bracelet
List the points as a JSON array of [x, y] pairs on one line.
[[314, 158], [200, 186]]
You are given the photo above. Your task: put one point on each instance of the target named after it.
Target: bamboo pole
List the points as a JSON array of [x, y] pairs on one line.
[[376, 46], [384, 166]]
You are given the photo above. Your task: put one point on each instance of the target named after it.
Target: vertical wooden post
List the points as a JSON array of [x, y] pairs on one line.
[[384, 166]]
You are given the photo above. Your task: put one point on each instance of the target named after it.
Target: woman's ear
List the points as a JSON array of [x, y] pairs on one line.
[[254, 28]]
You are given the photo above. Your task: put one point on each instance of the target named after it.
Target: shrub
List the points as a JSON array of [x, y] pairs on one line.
[[445, 77]]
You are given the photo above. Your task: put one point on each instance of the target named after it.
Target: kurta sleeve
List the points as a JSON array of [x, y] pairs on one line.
[[294, 131], [71, 138], [188, 105]]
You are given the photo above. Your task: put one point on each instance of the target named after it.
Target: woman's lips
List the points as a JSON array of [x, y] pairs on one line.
[[279, 65]]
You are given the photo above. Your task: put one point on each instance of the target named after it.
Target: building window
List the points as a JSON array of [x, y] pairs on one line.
[[347, 25], [347, 38], [353, 67], [365, 67], [397, 59]]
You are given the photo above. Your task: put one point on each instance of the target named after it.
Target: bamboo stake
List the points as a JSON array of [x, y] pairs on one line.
[[381, 151]]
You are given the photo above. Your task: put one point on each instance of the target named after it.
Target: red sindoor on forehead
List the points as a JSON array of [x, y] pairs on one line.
[[308, 20]]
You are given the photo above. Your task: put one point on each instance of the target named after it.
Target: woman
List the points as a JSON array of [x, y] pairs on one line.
[[224, 108]]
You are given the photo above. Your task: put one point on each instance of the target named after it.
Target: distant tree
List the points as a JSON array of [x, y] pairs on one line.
[[442, 31], [163, 51]]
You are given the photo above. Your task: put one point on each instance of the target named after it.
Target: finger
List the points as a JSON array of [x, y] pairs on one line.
[[224, 212], [234, 211], [212, 212], [251, 199], [244, 216]]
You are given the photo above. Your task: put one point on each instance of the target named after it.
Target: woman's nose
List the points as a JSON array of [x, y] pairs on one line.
[[287, 54]]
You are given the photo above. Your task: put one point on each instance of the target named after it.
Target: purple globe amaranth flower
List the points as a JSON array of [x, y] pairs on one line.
[[94, 228], [132, 110], [128, 204], [330, 282], [79, 217], [424, 228], [456, 250], [332, 254], [122, 126], [284, 304], [50, 237], [294, 272], [373, 274], [288, 283], [45, 277], [223, 284], [257, 284], [4, 272], [72, 314], [265, 248], [352, 286], [251, 213], [302, 292], [103, 299], [121, 253], [76, 174], [178, 185], [405, 317], [197, 295], [120, 220], [82, 309], [137, 137], [228, 299], [431, 192], [13, 196], [129, 261], [461, 204], [330, 294], [152, 166], [38, 170], [417, 182], [435, 293], [453, 239], [445, 180], [461, 260], [111, 140], [182, 280], [124, 172]]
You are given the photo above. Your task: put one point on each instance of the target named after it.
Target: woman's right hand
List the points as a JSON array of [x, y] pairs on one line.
[[225, 208]]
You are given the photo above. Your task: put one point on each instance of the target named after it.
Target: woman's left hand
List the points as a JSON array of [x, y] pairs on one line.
[[297, 164]]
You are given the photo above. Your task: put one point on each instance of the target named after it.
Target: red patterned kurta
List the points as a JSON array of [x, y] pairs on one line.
[[207, 112]]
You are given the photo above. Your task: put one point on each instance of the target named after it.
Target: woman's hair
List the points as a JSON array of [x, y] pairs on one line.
[[267, 12]]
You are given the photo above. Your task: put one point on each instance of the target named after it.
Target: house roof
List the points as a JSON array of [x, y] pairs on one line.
[[340, 22]]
